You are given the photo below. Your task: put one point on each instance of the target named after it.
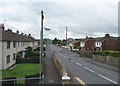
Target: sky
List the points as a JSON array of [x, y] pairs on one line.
[[92, 18]]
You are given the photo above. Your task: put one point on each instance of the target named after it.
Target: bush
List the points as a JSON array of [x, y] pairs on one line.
[[108, 53]]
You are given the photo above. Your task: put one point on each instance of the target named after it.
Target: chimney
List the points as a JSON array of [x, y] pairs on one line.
[[2, 26], [29, 34], [17, 32], [107, 35], [21, 33], [9, 30], [86, 37]]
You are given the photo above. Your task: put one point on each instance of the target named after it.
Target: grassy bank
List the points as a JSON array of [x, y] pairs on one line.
[[20, 71]]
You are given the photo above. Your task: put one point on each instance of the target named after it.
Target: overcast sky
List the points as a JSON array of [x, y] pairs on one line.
[[82, 17]]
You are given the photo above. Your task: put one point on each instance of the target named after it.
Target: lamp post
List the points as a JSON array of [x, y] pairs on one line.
[[42, 60], [66, 36], [41, 49]]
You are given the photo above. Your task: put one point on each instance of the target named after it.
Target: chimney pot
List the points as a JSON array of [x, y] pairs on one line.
[[2, 26], [21, 33], [29, 34], [9, 30], [17, 31]]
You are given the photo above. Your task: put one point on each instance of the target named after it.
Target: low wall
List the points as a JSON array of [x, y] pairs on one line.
[[107, 59], [60, 67]]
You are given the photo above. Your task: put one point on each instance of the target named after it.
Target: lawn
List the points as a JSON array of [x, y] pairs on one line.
[[21, 70]]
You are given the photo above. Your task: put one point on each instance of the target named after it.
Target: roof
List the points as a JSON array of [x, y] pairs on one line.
[[11, 36], [8, 35]]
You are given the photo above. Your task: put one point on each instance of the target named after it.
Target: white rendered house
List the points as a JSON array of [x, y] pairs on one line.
[[10, 44]]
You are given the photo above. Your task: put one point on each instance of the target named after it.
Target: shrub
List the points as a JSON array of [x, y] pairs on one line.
[[108, 53]]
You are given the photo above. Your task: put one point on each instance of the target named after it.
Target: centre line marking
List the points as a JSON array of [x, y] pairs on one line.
[[79, 64], [107, 79], [88, 69]]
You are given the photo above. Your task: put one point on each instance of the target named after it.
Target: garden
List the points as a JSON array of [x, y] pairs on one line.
[[21, 71]]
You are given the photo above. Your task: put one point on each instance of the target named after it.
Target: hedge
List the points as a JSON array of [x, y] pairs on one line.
[[115, 54]]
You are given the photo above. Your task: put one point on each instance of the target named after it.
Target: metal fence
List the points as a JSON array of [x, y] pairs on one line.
[[27, 81]]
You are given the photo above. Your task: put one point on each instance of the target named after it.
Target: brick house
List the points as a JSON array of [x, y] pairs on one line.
[[106, 43], [101, 43], [110, 43], [89, 44]]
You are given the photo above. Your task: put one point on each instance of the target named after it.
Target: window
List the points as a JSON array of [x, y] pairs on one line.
[[8, 59], [14, 44], [14, 56], [18, 44], [97, 43], [22, 43], [8, 44]]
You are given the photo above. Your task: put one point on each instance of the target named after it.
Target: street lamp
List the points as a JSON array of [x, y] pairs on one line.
[[41, 50], [66, 35]]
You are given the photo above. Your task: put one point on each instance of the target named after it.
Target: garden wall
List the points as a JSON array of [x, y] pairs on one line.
[[107, 59]]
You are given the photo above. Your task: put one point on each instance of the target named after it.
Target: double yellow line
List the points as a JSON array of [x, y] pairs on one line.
[[80, 81]]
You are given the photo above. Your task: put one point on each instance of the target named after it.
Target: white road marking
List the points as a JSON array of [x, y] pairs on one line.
[[88, 69], [79, 64], [107, 79]]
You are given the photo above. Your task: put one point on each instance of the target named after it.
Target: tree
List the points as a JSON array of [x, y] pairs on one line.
[[29, 51], [55, 41]]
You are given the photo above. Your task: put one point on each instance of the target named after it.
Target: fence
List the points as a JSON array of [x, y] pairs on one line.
[[29, 80], [27, 60]]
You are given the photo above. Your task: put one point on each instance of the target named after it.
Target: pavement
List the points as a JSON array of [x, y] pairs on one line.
[[107, 66], [51, 73]]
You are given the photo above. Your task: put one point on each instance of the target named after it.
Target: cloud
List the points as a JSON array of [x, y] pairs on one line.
[[82, 17]]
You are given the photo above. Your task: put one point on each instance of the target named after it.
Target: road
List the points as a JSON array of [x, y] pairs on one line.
[[86, 71]]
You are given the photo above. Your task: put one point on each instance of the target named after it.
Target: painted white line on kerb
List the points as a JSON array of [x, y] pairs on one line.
[[79, 64], [107, 79], [88, 69]]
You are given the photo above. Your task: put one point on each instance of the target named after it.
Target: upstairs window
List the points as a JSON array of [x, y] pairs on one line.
[[14, 44], [8, 44]]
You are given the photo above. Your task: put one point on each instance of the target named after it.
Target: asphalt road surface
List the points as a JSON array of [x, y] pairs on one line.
[[79, 67]]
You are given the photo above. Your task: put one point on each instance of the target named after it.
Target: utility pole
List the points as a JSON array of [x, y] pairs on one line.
[[41, 49], [66, 35]]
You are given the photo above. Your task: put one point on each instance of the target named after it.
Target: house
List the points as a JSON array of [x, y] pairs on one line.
[[87, 44], [13, 45], [101, 43], [74, 45], [110, 43]]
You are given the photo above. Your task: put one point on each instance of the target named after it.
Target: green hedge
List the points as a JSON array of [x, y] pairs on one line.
[[108, 53]]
